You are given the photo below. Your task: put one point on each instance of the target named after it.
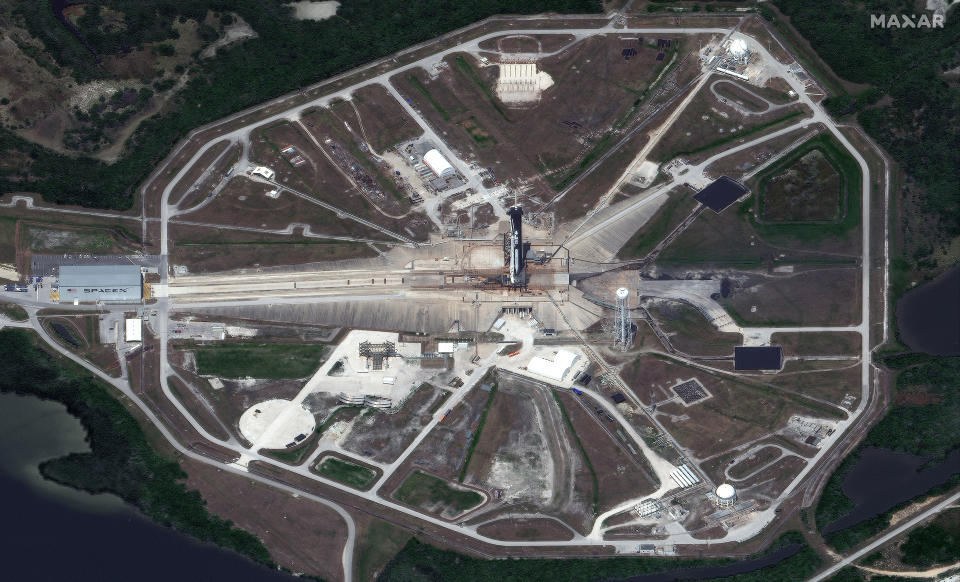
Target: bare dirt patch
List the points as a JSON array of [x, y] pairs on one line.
[[197, 170], [526, 530], [757, 459], [815, 297], [818, 344], [383, 121], [208, 250], [690, 332], [384, 436], [300, 534], [736, 413], [526, 452], [524, 43], [707, 123], [620, 475], [543, 140], [236, 396], [735, 92], [444, 450], [830, 385]]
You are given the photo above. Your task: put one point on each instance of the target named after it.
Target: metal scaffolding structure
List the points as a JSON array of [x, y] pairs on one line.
[[622, 323]]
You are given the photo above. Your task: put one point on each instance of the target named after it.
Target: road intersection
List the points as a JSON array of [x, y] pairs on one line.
[[169, 215]]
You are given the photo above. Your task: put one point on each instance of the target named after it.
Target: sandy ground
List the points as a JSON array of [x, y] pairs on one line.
[[305, 10]]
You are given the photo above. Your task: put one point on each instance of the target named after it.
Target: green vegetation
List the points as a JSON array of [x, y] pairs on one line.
[[258, 360], [419, 87], [342, 413], [477, 133], [295, 455], [936, 543], [347, 473], [444, 394], [476, 433], [930, 428], [848, 574], [362, 31], [911, 109], [426, 491], [583, 452], [678, 205], [851, 183], [121, 460], [420, 561], [14, 311], [65, 334], [376, 547], [601, 146], [732, 137], [472, 74]]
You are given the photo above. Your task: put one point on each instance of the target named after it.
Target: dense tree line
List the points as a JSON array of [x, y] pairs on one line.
[[121, 460], [420, 561], [931, 429], [920, 122], [287, 54], [936, 543]]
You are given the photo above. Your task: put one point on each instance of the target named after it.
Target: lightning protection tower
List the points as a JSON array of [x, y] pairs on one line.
[[622, 323]]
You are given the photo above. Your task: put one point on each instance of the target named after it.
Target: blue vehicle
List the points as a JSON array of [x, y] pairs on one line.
[[578, 392]]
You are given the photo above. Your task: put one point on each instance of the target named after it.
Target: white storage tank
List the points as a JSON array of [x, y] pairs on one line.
[[726, 495]]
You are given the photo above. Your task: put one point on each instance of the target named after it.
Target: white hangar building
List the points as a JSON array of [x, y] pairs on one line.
[[438, 164]]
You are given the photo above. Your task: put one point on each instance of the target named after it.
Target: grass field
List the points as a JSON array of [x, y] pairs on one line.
[[61, 238], [376, 547], [850, 181], [347, 473], [295, 455], [81, 335], [678, 205], [8, 232], [259, 360], [13, 311], [690, 331], [435, 495], [476, 433], [806, 190]]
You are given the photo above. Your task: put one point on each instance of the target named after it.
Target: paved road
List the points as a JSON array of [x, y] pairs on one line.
[[771, 106], [383, 79], [167, 211], [891, 534]]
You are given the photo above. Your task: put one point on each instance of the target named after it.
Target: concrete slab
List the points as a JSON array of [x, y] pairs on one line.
[[274, 424]]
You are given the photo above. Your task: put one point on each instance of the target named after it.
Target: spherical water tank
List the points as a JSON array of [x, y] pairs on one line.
[[622, 293], [726, 495], [738, 48]]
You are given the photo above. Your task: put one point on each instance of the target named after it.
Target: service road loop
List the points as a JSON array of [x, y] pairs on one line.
[[163, 306]]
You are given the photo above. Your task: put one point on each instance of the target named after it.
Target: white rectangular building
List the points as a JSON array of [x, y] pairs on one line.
[[554, 369], [133, 330]]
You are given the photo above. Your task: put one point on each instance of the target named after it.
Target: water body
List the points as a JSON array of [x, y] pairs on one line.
[[99, 537], [928, 317], [57, 533], [881, 479]]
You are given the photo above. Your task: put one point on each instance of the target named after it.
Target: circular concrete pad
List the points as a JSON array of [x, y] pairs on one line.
[[273, 424]]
